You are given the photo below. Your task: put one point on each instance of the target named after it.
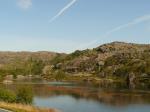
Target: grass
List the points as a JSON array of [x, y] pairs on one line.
[[23, 108]]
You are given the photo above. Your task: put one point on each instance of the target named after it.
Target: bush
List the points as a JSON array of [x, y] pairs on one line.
[[7, 96], [25, 95], [60, 75]]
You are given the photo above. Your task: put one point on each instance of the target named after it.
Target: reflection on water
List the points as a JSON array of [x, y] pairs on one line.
[[71, 97], [70, 104]]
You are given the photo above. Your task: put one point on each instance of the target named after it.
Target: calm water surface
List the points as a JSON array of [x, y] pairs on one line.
[[71, 97]]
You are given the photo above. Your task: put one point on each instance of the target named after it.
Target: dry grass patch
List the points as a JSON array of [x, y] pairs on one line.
[[23, 108]]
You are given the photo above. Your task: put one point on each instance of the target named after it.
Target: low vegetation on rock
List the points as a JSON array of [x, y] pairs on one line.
[[117, 61]]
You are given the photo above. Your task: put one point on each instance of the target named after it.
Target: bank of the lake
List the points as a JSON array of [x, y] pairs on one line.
[[14, 107], [79, 97], [19, 98]]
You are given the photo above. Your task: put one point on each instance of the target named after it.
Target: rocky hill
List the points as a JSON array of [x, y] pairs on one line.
[[7, 57], [24, 63], [122, 61], [117, 60]]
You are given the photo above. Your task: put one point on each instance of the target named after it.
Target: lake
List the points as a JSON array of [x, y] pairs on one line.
[[72, 97]]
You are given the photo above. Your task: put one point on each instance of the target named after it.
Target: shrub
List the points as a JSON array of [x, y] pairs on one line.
[[25, 95], [7, 96], [59, 75]]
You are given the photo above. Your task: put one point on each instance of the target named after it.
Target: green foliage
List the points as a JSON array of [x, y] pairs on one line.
[[28, 67], [59, 75], [25, 95], [37, 67], [7, 96], [118, 60], [59, 58], [2, 73], [122, 71], [122, 65], [34, 67]]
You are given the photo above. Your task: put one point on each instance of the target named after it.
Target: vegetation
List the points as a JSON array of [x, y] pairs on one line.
[[59, 75], [23, 108], [24, 95], [116, 61], [23, 63], [19, 101], [7, 96]]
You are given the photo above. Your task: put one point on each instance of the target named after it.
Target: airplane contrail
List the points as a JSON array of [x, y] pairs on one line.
[[118, 28], [134, 22], [63, 10]]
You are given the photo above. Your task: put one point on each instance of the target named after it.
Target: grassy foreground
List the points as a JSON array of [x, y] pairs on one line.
[[23, 108]]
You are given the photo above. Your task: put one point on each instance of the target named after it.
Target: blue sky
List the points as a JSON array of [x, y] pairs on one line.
[[68, 25]]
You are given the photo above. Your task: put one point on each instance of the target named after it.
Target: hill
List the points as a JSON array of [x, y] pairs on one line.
[[24, 63], [6, 57], [117, 60]]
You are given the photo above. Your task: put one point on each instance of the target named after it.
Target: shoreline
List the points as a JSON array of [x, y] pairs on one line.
[[14, 107]]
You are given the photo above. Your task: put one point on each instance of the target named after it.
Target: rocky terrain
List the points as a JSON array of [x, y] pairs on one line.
[[117, 61], [7, 57]]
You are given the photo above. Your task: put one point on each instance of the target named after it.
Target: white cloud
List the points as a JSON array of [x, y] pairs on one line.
[[24, 4], [63, 10]]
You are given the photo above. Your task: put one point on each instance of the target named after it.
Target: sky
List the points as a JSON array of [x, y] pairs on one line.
[[69, 25]]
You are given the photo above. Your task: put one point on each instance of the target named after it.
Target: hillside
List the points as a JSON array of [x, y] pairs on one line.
[[24, 63], [91, 59], [117, 60], [6, 57]]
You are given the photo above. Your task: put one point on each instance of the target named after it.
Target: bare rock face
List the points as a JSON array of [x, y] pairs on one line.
[[9, 77], [132, 78], [7, 82]]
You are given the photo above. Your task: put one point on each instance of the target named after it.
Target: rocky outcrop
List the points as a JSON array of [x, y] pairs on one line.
[[117, 60]]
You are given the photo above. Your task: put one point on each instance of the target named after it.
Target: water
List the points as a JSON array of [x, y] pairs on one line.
[[71, 97]]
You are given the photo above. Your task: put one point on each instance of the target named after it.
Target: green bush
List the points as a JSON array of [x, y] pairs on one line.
[[25, 95], [7, 96], [60, 75], [122, 71]]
